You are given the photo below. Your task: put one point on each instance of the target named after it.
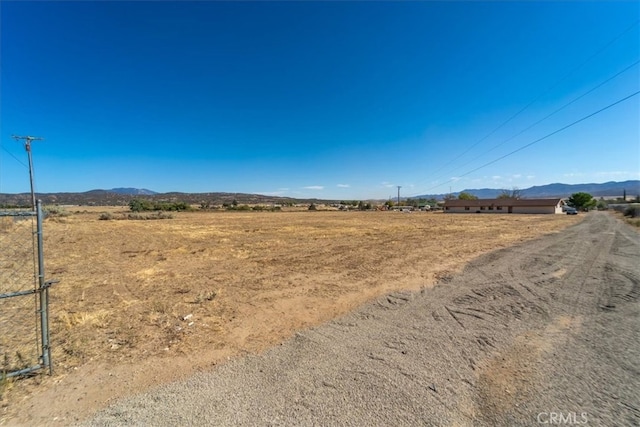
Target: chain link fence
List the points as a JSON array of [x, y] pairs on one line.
[[24, 334]]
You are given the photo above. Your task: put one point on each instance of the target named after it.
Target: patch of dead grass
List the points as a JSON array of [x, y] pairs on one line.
[[150, 293]]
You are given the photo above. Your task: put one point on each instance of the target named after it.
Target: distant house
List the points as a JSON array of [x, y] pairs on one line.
[[524, 206]]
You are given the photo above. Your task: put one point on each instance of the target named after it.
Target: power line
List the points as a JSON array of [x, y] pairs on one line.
[[575, 69], [12, 155], [563, 107], [547, 116], [540, 139]]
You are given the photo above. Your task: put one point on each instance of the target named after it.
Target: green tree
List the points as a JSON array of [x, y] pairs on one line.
[[138, 205], [466, 196], [582, 201]]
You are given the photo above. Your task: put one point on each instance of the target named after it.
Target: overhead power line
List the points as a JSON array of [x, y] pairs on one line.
[[563, 107], [539, 139], [12, 155], [553, 86], [545, 117]]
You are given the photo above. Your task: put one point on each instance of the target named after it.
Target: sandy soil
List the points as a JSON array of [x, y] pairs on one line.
[[142, 303], [540, 333]]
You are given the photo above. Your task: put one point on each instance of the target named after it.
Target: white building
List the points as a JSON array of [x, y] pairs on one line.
[[525, 206]]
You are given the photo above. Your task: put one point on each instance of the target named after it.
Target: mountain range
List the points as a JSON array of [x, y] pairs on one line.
[[607, 189], [122, 196], [133, 191]]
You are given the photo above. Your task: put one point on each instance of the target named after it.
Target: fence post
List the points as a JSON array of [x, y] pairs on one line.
[[43, 289]]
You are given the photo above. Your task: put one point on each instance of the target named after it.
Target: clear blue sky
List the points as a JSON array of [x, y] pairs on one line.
[[336, 100]]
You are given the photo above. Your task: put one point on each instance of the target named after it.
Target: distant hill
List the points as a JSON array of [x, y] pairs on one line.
[[611, 189], [133, 191], [122, 197]]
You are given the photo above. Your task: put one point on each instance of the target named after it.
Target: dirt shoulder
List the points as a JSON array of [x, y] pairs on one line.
[[120, 314], [542, 330]]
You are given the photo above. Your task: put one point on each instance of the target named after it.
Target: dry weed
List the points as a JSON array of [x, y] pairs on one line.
[[206, 282]]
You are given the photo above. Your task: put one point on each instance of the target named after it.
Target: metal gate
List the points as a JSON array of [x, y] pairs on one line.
[[24, 294]]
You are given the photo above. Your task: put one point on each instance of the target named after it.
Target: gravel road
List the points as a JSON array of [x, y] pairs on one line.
[[545, 332]]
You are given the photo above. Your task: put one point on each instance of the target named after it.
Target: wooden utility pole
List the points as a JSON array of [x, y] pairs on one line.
[[27, 145]]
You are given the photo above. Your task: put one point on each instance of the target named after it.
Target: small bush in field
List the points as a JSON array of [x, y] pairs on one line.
[[163, 215], [105, 216], [53, 211], [138, 205], [144, 217], [632, 211]]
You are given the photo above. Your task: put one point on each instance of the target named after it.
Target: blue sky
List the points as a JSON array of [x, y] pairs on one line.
[[335, 100]]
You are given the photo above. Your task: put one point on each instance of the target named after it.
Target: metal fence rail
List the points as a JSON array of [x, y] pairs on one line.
[[24, 312]]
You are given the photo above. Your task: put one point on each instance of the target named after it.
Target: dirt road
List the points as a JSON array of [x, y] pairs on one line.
[[540, 332]]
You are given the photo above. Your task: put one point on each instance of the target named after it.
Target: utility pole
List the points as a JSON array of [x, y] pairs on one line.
[[27, 145], [399, 187]]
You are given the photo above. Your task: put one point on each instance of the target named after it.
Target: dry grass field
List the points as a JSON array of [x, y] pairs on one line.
[[144, 302]]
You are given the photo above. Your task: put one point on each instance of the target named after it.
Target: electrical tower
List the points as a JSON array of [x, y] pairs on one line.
[[27, 146]]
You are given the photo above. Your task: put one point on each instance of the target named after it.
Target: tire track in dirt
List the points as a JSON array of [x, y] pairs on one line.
[[576, 304], [517, 333]]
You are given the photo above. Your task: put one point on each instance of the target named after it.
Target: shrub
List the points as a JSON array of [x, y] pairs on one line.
[[137, 205], [634, 222], [51, 211], [163, 215], [158, 215], [136, 216], [632, 211], [105, 216]]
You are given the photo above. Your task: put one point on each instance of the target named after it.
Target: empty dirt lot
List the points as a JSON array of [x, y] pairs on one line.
[[141, 303], [541, 333]]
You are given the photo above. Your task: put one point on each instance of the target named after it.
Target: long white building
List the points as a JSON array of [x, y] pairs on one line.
[[524, 206]]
